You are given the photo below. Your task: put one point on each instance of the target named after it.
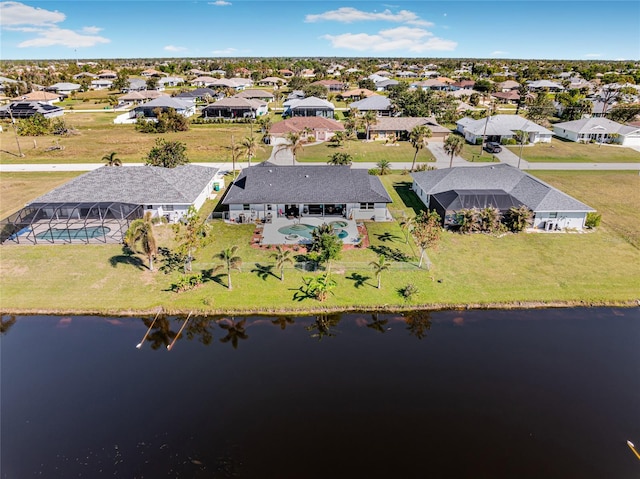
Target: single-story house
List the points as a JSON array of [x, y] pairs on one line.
[[357, 94], [322, 129], [380, 104], [64, 88], [508, 85], [39, 96], [400, 127], [98, 206], [203, 81], [135, 84], [234, 107], [198, 94], [77, 76], [268, 191], [271, 81], [331, 85], [254, 94], [107, 75], [501, 127], [170, 82], [432, 84], [151, 72], [600, 130], [385, 84], [463, 85], [183, 106], [502, 186], [544, 85], [310, 106], [27, 109], [510, 96], [101, 84]]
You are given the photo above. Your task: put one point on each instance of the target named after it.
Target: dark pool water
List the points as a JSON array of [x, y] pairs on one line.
[[474, 394]]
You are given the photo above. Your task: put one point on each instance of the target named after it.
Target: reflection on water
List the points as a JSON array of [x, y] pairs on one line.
[[499, 394]]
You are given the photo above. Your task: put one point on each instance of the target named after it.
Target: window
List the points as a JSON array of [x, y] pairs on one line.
[[167, 207], [246, 206], [553, 215], [149, 207], [366, 206]]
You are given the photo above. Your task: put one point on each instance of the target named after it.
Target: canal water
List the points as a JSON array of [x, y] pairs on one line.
[[485, 394]]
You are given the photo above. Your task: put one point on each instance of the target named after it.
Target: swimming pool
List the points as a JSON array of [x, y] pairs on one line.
[[305, 231], [89, 232]]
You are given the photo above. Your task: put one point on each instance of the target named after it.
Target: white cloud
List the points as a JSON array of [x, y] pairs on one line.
[[58, 36], [593, 55], [498, 53], [16, 13], [226, 51], [173, 48], [91, 30], [220, 3], [350, 15], [406, 39]]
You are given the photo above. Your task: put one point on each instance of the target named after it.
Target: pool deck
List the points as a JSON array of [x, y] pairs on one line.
[[271, 235]]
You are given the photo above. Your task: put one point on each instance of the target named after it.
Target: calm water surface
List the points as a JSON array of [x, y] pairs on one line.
[[491, 394]]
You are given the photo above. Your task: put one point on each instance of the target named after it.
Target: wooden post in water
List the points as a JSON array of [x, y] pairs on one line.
[[179, 332]]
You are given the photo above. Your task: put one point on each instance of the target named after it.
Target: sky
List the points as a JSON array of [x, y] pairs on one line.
[[525, 29]]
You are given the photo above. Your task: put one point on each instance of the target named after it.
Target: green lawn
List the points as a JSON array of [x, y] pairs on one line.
[[480, 270], [476, 153], [366, 151], [561, 151]]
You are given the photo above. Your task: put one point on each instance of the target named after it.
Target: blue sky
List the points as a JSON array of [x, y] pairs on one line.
[[575, 30]]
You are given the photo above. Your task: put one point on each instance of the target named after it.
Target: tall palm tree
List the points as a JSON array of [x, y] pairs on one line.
[[453, 146], [295, 143], [249, 147], [141, 232], [418, 138], [112, 160], [282, 256], [407, 225], [230, 261], [236, 151], [369, 119], [378, 267]]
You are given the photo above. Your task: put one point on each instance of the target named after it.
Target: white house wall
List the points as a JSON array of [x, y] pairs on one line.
[[563, 220]]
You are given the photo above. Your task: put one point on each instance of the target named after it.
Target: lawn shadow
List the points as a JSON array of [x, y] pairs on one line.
[[358, 279], [384, 237], [393, 254], [301, 294], [408, 196], [209, 275], [264, 271], [128, 259]]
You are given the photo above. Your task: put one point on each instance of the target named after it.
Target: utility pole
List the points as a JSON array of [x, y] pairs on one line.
[[15, 131]]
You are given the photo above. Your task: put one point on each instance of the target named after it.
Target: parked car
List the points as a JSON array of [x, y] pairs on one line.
[[493, 147]]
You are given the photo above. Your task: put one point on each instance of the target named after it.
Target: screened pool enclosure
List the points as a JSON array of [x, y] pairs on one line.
[[55, 223]]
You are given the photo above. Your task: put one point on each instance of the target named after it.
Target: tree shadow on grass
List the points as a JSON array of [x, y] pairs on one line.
[[210, 275], [408, 196], [384, 237], [128, 259], [264, 271], [302, 293], [358, 279], [393, 254]]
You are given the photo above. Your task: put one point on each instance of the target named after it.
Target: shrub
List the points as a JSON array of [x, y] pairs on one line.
[[478, 141], [593, 220], [508, 141], [187, 282], [409, 291], [374, 171]]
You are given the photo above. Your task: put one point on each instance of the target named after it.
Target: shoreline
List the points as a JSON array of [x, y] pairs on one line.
[[517, 305]]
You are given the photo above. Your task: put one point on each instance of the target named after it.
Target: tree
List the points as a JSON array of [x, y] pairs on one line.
[[468, 220], [325, 244], [112, 160], [195, 234], [337, 139], [378, 268], [490, 219], [236, 151], [167, 154], [230, 261], [319, 287], [264, 122], [518, 219], [140, 232], [368, 120], [384, 167], [315, 89], [418, 138], [426, 232], [282, 256], [169, 120], [540, 108], [340, 158], [120, 83], [249, 147], [624, 113], [453, 146], [406, 225], [152, 83], [295, 144]]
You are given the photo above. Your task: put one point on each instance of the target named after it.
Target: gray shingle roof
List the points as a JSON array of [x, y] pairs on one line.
[[532, 192], [134, 184], [305, 184], [595, 125], [407, 123], [500, 125], [373, 102]]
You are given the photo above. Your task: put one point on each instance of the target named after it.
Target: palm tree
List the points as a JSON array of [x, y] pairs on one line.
[[407, 225], [250, 146], [378, 267], [231, 261], [453, 146], [141, 231], [282, 256], [112, 160], [235, 150], [418, 138], [340, 158], [519, 218], [384, 167], [369, 119], [295, 143]]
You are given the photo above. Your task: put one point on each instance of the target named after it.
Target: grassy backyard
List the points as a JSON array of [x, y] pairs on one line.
[[561, 151], [479, 270]]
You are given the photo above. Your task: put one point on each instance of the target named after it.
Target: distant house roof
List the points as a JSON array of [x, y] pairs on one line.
[[134, 184], [255, 94], [64, 86], [407, 124], [545, 84], [298, 124], [373, 102], [197, 93], [234, 102], [500, 125], [358, 92], [507, 95], [529, 191], [269, 183], [271, 81], [39, 96], [26, 109], [166, 101], [596, 125], [311, 102]]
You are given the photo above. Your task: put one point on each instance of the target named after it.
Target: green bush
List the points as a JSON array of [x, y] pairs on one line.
[[593, 220], [478, 141], [187, 282], [508, 141]]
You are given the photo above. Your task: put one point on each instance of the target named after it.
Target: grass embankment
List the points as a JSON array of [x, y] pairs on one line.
[[563, 151], [600, 267]]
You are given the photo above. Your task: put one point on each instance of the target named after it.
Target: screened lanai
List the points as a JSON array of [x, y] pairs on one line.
[[55, 223]]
